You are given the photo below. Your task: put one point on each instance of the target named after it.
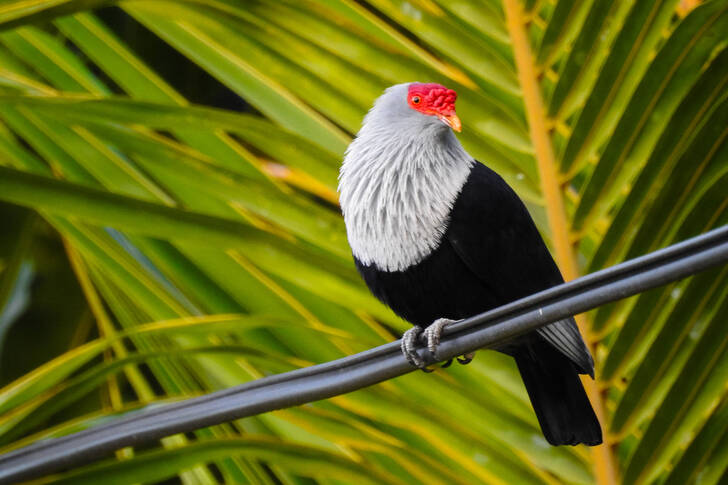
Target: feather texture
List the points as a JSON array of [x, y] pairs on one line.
[[399, 182]]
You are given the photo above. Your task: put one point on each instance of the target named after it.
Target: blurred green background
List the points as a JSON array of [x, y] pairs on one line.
[[170, 228]]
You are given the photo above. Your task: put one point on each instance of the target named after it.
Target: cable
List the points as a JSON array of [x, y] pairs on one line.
[[323, 381]]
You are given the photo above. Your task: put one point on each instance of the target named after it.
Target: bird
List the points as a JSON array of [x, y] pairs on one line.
[[438, 237]]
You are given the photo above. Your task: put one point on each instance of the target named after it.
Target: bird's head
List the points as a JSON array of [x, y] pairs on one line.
[[436, 100], [412, 109], [410, 127]]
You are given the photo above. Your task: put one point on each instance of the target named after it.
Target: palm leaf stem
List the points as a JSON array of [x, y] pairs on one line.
[[516, 22]]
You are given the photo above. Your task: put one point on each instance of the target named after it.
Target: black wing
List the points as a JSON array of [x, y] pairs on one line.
[[492, 232]]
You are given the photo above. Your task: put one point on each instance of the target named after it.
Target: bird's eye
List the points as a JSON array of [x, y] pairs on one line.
[[416, 100]]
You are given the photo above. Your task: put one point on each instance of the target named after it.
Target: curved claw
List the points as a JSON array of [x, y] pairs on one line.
[[466, 359], [446, 364]]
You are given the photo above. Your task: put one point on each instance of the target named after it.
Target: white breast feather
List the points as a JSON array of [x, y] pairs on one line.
[[397, 189]]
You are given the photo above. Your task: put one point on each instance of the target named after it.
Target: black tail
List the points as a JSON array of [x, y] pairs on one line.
[[557, 395]]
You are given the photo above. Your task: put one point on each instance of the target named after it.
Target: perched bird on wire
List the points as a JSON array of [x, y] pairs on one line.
[[439, 237]]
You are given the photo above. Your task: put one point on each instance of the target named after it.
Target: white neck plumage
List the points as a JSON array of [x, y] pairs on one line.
[[398, 185]]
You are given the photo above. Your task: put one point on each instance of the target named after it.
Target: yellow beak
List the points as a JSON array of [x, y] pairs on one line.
[[452, 121]]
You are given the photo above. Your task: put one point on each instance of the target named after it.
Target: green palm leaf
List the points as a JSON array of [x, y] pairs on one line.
[[210, 250]]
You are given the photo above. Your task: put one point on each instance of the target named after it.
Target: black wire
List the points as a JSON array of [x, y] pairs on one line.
[[486, 330]]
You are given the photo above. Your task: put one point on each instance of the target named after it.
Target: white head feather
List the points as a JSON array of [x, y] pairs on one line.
[[398, 183]]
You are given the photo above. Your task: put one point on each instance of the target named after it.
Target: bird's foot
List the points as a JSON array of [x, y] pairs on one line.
[[409, 348], [433, 334]]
